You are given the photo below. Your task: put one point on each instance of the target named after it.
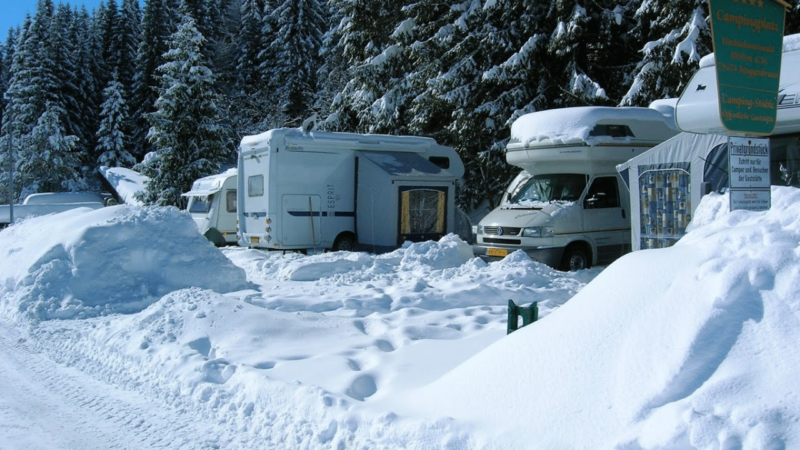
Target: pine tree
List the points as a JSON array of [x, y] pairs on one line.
[[250, 88], [292, 58], [46, 161], [158, 23], [676, 36], [127, 33], [84, 117], [185, 126], [62, 48], [363, 38], [111, 139]]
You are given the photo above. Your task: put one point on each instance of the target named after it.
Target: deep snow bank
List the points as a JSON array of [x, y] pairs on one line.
[[693, 346], [84, 263]]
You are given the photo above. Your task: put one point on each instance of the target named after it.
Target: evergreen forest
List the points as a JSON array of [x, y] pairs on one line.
[[169, 87]]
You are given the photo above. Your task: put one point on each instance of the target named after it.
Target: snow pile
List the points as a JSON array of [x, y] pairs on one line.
[[83, 263], [688, 347]]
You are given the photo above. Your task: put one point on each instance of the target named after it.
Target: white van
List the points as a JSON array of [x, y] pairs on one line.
[[568, 208], [212, 204], [303, 190]]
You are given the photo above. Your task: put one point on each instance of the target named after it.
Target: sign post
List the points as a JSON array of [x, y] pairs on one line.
[[748, 44]]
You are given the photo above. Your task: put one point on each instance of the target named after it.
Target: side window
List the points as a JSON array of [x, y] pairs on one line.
[[230, 200], [603, 193], [255, 186]]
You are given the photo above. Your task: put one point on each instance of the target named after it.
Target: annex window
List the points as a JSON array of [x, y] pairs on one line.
[[666, 204], [255, 186]]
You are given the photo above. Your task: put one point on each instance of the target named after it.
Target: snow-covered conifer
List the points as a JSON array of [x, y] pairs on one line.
[[111, 139], [185, 127]]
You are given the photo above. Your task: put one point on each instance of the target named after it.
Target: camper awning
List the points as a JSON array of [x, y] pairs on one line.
[[201, 192], [405, 164]]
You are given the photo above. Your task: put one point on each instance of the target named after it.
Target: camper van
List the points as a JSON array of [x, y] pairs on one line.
[[212, 204], [668, 181], [568, 207], [301, 190]]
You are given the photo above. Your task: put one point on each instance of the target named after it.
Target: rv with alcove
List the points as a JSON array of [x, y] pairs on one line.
[[568, 208], [304, 189], [212, 205]]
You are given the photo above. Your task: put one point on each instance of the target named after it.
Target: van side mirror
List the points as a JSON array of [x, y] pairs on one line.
[[596, 201]]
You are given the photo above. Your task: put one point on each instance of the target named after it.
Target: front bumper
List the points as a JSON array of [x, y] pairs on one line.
[[545, 255]]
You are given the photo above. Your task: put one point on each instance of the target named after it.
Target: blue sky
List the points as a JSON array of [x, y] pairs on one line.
[[12, 12]]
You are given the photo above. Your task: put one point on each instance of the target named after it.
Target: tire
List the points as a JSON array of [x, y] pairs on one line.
[[344, 243], [216, 237], [575, 258]]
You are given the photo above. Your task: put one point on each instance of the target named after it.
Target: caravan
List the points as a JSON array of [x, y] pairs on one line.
[[301, 190], [212, 204], [568, 208]]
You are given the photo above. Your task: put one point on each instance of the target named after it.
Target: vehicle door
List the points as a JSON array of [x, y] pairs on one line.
[[227, 214], [301, 220], [606, 220]]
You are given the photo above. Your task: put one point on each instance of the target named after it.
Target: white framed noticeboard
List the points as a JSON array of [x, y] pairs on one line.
[[749, 173]]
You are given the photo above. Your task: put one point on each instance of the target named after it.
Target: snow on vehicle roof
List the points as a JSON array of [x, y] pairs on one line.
[[63, 197], [211, 184], [574, 125], [351, 140], [126, 182]]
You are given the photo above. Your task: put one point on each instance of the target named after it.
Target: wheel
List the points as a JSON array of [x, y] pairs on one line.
[[575, 258], [216, 237], [344, 243]]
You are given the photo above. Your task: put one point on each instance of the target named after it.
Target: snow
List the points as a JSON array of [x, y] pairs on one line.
[[573, 125], [126, 182], [126, 316]]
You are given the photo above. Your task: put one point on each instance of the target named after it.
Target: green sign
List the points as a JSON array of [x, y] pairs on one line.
[[748, 43]]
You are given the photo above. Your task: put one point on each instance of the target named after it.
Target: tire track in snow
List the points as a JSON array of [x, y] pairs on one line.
[[45, 405]]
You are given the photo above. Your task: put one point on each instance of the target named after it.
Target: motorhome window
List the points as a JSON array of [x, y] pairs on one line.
[[230, 200], [603, 193], [200, 204], [565, 187], [441, 161], [611, 130], [255, 186]]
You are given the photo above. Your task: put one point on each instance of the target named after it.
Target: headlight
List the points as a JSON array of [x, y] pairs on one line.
[[538, 232], [478, 229]]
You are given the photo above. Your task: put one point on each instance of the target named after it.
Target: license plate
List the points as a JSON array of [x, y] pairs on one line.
[[497, 252], [254, 239]]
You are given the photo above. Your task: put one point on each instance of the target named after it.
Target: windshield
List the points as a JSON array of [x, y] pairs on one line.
[[200, 204], [564, 187]]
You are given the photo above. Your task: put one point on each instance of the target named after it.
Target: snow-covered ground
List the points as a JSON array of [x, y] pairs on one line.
[[124, 328]]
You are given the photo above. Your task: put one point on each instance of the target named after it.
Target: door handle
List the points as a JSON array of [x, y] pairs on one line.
[[623, 213]]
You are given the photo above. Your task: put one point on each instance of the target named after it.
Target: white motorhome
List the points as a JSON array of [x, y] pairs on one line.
[[344, 191], [212, 204], [568, 208]]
